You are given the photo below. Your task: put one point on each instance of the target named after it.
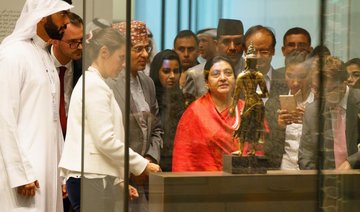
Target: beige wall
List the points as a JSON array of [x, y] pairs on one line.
[[9, 13], [106, 9]]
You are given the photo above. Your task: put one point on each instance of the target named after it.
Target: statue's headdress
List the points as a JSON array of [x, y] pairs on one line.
[[251, 51]]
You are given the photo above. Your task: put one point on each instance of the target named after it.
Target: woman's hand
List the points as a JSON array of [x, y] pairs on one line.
[[133, 193], [284, 118], [298, 115], [144, 176], [152, 167]]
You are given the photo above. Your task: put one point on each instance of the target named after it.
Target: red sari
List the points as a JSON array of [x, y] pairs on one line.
[[204, 135]]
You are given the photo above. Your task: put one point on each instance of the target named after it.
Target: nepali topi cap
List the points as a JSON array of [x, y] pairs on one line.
[[138, 31], [229, 27]]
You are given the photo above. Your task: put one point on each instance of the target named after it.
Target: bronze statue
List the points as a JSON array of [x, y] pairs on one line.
[[252, 117]]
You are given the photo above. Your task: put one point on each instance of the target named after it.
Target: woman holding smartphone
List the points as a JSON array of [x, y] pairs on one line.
[[284, 146]]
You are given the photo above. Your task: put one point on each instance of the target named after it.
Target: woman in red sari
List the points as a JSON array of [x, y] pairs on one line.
[[205, 131]]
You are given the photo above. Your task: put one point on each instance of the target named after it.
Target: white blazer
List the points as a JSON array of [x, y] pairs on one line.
[[104, 132]]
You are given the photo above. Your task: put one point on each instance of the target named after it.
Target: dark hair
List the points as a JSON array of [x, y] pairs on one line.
[[296, 31], [318, 50], [354, 61], [170, 100], [75, 19], [214, 60], [185, 34], [108, 37], [252, 30], [157, 62]]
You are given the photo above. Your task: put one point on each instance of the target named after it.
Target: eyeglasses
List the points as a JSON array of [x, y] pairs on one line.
[[140, 49], [263, 51], [73, 44], [217, 73]]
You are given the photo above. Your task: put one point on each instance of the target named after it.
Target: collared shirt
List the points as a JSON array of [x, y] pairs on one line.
[[68, 79], [267, 78], [292, 141]]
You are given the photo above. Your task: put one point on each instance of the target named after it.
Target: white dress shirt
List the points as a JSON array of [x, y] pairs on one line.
[[68, 79], [292, 141]]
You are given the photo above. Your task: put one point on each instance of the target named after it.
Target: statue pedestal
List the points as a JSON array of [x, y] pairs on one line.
[[235, 164]]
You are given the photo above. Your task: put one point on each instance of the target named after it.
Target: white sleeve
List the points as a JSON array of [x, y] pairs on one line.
[[99, 120], [17, 166]]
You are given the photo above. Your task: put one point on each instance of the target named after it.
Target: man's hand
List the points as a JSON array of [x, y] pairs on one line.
[[28, 190], [64, 191]]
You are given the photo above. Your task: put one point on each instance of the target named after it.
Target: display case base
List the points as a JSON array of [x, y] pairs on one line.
[[235, 164]]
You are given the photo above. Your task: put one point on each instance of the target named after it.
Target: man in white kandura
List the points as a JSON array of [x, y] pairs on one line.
[[31, 139]]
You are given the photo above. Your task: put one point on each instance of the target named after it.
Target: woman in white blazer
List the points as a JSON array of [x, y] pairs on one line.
[[104, 132]]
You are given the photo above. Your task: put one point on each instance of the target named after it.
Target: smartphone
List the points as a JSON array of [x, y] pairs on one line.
[[288, 102]]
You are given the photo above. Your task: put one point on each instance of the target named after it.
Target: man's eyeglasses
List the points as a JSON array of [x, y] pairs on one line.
[[263, 51], [73, 44], [140, 49]]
